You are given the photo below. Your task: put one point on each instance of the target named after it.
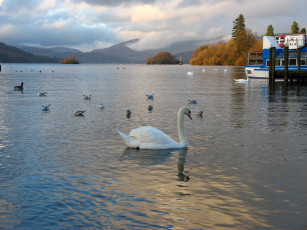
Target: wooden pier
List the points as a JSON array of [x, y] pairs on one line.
[[286, 74]]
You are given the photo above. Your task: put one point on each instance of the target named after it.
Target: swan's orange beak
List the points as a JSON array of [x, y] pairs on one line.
[[189, 115]]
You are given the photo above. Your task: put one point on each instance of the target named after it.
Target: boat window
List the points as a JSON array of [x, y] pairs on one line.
[[303, 62], [267, 62], [292, 61], [277, 62], [248, 71]]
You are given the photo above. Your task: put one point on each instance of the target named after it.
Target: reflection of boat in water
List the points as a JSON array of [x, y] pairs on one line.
[[259, 62]]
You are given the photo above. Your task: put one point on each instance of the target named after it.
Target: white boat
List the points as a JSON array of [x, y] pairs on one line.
[[258, 62]]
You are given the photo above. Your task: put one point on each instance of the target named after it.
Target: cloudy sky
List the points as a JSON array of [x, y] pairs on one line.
[[92, 24]]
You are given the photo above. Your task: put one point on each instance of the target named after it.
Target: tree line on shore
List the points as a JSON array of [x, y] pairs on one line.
[[235, 51]]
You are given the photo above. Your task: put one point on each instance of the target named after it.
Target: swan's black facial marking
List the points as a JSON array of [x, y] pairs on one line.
[[189, 114]]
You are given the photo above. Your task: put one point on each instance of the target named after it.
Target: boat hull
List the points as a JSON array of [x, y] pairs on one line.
[[256, 72], [259, 72]]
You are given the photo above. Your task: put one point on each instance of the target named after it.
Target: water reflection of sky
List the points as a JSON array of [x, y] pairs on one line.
[[244, 168]]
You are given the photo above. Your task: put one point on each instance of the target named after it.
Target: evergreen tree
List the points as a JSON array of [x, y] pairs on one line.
[[303, 31], [270, 31], [238, 25], [294, 28]]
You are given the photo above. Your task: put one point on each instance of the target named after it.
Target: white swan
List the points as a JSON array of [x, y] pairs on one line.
[[147, 137], [190, 73], [241, 80]]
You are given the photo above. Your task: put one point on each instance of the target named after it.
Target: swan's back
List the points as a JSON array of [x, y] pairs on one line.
[[150, 135]]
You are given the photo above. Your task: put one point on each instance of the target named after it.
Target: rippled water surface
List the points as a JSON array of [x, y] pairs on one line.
[[245, 167]]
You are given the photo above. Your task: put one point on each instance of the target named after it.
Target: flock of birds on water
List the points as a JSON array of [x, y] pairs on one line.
[[101, 106], [46, 107], [147, 137], [191, 73]]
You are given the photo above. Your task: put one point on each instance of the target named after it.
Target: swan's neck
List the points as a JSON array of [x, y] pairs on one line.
[[181, 132]]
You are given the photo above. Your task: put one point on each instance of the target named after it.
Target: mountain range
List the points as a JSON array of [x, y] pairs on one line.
[[119, 53]]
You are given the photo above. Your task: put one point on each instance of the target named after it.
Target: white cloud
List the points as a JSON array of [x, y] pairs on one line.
[[94, 24]]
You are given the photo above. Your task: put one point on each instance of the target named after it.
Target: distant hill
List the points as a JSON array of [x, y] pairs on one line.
[[125, 53], [119, 53], [11, 54], [59, 52]]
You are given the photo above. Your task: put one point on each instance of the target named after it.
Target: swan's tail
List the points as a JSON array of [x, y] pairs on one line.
[[129, 141]]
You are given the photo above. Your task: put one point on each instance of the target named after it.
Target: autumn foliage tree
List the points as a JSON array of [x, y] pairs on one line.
[[163, 57], [233, 52], [70, 60]]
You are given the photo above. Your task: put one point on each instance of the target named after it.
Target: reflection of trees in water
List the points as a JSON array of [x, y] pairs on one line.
[[154, 157]]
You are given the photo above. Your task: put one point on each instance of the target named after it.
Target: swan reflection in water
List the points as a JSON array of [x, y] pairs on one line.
[[155, 157], [182, 174]]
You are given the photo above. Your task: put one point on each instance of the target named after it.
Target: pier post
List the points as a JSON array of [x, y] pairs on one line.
[[298, 63], [298, 59], [273, 62], [286, 57], [272, 65]]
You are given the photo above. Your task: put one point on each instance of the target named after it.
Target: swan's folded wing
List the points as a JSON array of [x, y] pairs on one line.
[[130, 142], [148, 134]]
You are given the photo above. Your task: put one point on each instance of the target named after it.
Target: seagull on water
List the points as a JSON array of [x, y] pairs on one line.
[[193, 101], [87, 97], [45, 107], [41, 94], [150, 96]]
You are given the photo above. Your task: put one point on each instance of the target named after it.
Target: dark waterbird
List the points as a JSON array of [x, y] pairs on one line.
[[19, 87]]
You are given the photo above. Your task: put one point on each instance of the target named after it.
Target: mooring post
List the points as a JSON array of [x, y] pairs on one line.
[[272, 65], [286, 57], [298, 59], [298, 63]]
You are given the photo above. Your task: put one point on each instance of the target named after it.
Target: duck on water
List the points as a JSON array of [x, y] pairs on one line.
[[19, 87]]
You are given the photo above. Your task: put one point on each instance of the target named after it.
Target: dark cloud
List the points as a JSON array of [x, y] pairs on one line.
[[17, 5], [114, 2]]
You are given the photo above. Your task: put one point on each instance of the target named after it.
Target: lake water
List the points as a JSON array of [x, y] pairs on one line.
[[245, 167]]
